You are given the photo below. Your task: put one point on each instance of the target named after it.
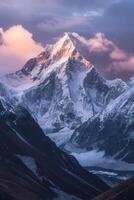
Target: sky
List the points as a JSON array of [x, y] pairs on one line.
[[27, 25]]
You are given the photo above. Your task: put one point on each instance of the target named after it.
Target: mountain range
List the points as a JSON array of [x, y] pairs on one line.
[[76, 107], [62, 87], [32, 167]]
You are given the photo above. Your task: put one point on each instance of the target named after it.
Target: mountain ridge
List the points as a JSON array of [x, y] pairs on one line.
[[62, 87], [35, 167], [71, 101]]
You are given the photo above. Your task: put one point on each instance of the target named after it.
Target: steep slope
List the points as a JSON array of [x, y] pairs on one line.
[[6, 92], [124, 191], [61, 88], [112, 131], [32, 167]]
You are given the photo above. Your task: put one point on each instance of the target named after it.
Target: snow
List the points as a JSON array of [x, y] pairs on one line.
[[69, 147], [89, 158], [29, 162], [68, 88], [64, 44], [61, 137], [131, 82], [117, 104], [99, 172], [110, 175], [97, 158], [69, 95]]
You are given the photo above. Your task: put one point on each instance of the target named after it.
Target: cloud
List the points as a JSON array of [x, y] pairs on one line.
[[62, 24], [99, 43], [56, 7], [116, 22], [17, 46], [39, 15], [109, 58]]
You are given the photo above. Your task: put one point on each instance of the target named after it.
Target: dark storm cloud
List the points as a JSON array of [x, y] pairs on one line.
[[117, 23], [43, 17], [88, 5]]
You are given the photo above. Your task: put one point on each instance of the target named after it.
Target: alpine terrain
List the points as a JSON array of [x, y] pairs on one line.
[[61, 87], [83, 113], [32, 167]]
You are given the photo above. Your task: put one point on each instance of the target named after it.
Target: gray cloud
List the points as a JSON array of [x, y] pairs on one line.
[[117, 23]]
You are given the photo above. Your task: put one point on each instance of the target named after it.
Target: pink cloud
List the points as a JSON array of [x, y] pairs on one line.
[[119, 60], [126, 65], [17, 46], [99, 43]]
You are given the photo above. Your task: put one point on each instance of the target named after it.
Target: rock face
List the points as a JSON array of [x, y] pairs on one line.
[[61, 88], [112, 131], [121, 192], [32, 167]]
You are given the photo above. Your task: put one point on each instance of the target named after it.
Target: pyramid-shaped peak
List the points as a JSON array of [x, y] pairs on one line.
[[68, 37], [64, 44], [71, 34], [75, 37], [70, 42]]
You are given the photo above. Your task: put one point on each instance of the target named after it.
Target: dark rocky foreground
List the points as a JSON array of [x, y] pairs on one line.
[[125, 191], [33, 168]]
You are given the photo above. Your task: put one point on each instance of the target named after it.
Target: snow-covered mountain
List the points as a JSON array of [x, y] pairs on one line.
[[61, 87], [111, 131], [69, 98], [8, 93]]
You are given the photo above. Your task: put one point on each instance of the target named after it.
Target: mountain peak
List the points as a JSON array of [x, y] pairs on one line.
[[71, 45], [73, 35], [69, 35], [63, 46], [61, 86], [74, 38]]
